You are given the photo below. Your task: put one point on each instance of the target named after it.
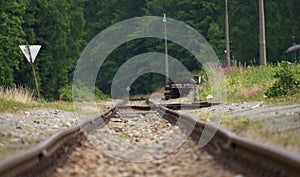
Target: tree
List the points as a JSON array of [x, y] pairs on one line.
[[11, 20], [216, 38], [75, 38], [59, 27]]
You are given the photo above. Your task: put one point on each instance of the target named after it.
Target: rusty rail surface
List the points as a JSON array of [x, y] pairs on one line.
[[257, 158]]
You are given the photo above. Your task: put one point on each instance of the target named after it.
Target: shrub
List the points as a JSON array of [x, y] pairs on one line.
[[287, 83], [65, 93], [81, 94]]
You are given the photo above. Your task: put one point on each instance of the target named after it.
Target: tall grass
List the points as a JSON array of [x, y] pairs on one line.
[[247, 83], [17, 94]]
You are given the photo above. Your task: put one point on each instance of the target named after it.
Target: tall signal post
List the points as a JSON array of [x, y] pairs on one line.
[[262, 34], [227, 34], [166, 49]]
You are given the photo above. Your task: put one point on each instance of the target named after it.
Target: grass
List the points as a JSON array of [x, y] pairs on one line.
[[11, 106], [15, 98], [254, 129], [21, 98], [15, 106], [259, 131], [17, 94], [250, 84], [61, 105]]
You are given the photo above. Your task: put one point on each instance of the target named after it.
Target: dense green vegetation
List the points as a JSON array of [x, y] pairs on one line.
[[64, 27], [288, 81], [273, 83]]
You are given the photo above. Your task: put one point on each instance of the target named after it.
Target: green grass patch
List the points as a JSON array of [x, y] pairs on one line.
[[12, 106], [61, 105], [261, 131], [21, 98], [240, 125], [252, 83]]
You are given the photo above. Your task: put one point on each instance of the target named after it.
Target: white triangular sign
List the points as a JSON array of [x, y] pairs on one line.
[[34, 50]]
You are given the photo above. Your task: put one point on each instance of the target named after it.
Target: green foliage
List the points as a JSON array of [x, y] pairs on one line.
[[242, 84], [57, 26], [11, 106], [65, 93], [82, 94], [11, 35], [287, 83], [216, 38]]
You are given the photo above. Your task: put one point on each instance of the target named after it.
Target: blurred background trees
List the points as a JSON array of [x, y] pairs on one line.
[[64, 27]]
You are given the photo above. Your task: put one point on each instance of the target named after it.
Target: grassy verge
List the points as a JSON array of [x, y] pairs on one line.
[[19, 99], [251, 84], [15, 106], [16, 98], [258, 130], [12, 106], [253, 129]]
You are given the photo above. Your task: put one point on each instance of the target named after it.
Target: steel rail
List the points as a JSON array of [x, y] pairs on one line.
[[264, 158], [17, 163]]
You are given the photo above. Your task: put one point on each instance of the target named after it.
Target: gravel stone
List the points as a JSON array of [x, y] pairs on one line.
[[110, 152], [23, 130]]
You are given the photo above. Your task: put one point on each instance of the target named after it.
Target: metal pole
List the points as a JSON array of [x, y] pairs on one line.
[[227, 34], [33, 70], [262, 35], [292, 25], [166, 50]]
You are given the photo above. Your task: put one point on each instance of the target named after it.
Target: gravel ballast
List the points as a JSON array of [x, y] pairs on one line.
[[135, 143], [23, 130]]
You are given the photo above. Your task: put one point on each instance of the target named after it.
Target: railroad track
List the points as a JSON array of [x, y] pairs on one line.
[[225, 155]]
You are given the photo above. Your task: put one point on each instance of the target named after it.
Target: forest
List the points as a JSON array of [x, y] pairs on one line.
[[64, 27]]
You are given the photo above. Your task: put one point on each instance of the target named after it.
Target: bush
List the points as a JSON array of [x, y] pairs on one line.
[[65, 93], [287, 83], [100, 95], [82, 94]]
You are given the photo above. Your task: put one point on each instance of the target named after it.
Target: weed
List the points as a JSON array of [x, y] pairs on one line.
[[17, 94], [123, 136]]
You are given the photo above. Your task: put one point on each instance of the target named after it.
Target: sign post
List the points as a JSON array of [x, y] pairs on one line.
[[30, 52]]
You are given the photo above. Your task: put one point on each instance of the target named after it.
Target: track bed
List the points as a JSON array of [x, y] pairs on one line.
[[141, 138]]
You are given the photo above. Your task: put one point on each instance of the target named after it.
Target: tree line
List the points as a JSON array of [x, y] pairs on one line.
[[64, 27]]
